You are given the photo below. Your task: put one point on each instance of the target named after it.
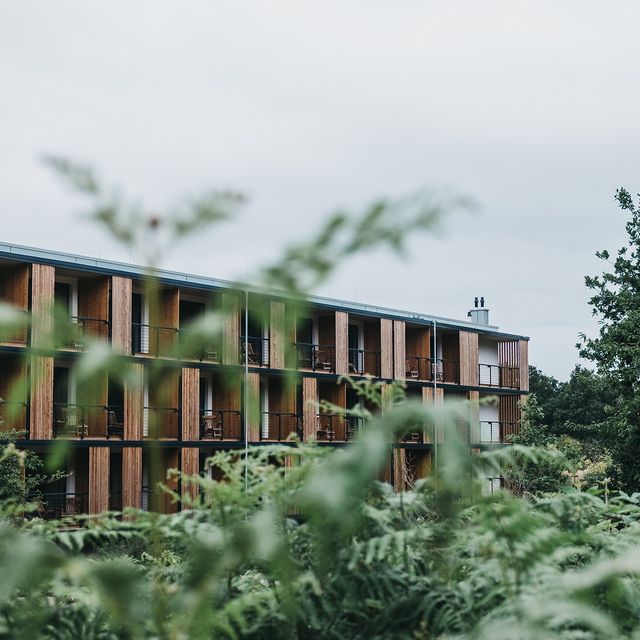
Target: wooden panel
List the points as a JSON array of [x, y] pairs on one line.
[[372, 348], [14, 285], [230, 329], [253, 409], [121, 318], [190, 404], [190, 465], [133, 403], [327, 331], [386, 347], [41, 406], [509, 416], [474, 356], [132, 477], [342, 342], [164, 401], [276, 335], [93, 298], [474, 416], [42, 292], [468, 350], [93, 394], [171, 461], [399, 350], [524, 364], [98, 479], [399, 461], [13, 389], [309, 408]]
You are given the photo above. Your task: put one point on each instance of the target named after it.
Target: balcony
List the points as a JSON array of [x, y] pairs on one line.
[[492, 431], [73, 333], [153, 340], [54, 506], [196, 347], [115, 501], [363, 362], [221, 424], [14, 329], [337, 428], [430, 369], [161, 422], [316, 357], [81, 421], [277, 426], [497, 375], [257, 351]]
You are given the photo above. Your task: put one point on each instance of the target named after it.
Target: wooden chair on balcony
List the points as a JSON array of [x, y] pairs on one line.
[[411, 370], [212, 426], [323, 360], [252, 356]]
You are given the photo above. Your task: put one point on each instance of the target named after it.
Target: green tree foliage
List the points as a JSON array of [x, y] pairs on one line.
[[616, 349]]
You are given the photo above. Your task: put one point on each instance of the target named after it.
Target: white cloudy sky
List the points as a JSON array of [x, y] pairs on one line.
[[529, 107]]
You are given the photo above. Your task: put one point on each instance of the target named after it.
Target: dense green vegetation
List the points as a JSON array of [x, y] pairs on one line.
[[301, 542]]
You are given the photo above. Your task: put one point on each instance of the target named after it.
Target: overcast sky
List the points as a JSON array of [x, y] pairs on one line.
[[529, 107]]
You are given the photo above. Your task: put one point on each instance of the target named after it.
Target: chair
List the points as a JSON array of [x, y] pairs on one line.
[[412, 371], [323, 360], [252, 356], [114, 426], [212, 426]]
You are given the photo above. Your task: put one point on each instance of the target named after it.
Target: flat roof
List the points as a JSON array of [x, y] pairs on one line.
[[112, 267]]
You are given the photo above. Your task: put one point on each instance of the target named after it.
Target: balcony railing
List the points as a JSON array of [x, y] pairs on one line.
[[87, 420], [160, 422], [337, 428], [192, 348], [492, 431], [362, 361], [445, 370], [54, 506], [276, 425], [153, 340], [74, 334], [220, 424], [499, 375], [257, 351], [418, 368], [316, 357]]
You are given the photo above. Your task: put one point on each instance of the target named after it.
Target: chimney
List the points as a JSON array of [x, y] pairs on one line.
[[479, 315]]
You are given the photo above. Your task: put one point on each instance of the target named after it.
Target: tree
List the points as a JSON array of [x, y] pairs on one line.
[[616, 349]]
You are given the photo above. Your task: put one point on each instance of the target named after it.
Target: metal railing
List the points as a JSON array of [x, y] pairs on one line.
[[493, 431], [74, 332], [499, 375], [362, 361], [160, 422], [418, 368], [87, 420], [192, 348], [220, 424], [315, 357], [333, 427], [54, 506], [257, 351], [277, 425], [153, 340], [445, 370]]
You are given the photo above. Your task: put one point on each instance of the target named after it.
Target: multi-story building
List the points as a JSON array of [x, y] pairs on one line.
[[200, 406]]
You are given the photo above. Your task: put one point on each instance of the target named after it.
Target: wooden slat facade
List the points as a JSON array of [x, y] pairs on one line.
[[399, 350], [41, 404], [98, 479], [386, 346], [468, 351], [277, 335], [121, 313], [342, 342], [189, 465], [42, 291], [230, 329], [14, 290], [133, 403], [132, 477], [253, 409], [524, 364], [190, 404], [309, 408]]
